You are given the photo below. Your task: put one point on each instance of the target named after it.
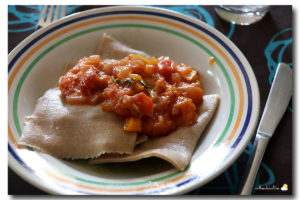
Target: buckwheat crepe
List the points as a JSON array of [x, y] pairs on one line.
[[177, 147], [81, 131], [68, 131], [110, 48], [85, 131]]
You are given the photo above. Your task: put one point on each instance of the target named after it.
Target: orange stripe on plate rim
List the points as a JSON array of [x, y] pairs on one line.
[[114, 190]]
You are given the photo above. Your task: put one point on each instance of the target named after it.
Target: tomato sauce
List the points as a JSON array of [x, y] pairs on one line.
[[155, 95]]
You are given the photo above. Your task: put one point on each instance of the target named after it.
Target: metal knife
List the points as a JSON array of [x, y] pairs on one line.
[[277, 102]]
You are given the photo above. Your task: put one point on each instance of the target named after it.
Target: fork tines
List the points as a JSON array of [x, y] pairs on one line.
[[48, 16]]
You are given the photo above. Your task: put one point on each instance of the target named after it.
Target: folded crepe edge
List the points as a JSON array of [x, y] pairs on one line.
[[118, 50], [23, 144], [211, 106], [25, 141], [41, 150]]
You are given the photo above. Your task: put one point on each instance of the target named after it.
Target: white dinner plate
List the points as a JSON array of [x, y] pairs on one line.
[[37, 63]]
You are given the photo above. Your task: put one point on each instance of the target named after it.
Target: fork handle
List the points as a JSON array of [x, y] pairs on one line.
[[253, 163]]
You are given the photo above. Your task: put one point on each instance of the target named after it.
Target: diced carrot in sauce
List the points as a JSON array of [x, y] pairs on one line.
[[159, 125], [108, 68], [176, 78], [138, 87], [93, 60], [166, 67], [144, 104], [155, 95], [153, 61], [77, 99], [146, 60], [195, 93], [136, 77], [149, 69], [184, 111], [133, 124], [122, 72], [184, 70]]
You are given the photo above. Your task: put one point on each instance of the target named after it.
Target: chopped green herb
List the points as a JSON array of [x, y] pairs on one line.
[[144, 84], [129, 81], [119, 81]]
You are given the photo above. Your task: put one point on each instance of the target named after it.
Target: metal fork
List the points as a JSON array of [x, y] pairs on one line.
[[47, 19]]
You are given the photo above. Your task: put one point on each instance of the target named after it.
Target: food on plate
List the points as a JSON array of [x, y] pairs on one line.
[[155, 95], [68, 131], [122, 105], [177, 147]]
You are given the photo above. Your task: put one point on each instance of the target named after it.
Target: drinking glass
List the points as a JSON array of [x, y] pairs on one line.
[[242, 14]]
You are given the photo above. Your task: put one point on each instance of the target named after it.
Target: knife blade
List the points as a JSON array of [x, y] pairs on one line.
[[277, 102]]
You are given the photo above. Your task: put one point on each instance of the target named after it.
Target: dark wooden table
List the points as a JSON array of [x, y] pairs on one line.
[[265, 44]]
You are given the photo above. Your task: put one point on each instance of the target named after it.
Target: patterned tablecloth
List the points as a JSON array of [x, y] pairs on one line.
[[265, 44]]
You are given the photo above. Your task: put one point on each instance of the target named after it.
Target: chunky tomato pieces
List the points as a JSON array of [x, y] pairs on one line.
[[154, 95]]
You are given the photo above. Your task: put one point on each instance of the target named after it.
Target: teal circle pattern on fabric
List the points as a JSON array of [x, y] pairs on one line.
[[25, 20]]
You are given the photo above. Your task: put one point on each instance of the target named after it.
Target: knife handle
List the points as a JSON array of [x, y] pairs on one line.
[[253, 164]]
